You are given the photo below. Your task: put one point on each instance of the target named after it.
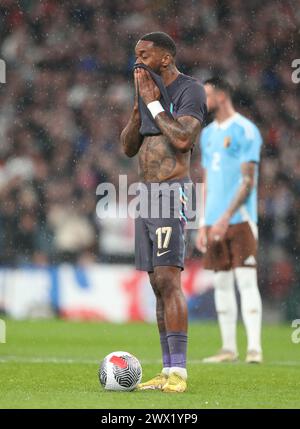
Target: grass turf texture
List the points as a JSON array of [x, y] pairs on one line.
[[54, 364]]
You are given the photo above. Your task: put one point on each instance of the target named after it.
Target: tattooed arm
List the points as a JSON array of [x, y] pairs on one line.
[[131, 138], [243, 192], [248, 172], [181, 132]]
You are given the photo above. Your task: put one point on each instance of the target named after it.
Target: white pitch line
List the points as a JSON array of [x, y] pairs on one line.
[[63, 360], [19, 359], [287, 363]]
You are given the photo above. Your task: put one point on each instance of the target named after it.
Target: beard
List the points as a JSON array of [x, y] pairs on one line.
[[210, 116], [212, 111], [156, 69]]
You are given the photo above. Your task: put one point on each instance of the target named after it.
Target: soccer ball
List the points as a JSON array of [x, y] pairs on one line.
[[120, 371]]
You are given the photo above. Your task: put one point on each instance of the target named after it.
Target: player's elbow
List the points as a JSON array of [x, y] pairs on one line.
[[126, 149], [184, 144], [128, 152], [249, 183]]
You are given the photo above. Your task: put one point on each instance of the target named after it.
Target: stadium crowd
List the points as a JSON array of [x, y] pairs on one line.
[[69, 92]]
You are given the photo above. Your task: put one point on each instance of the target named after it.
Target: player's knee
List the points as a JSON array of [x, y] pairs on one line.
[[223, 280], [165, 283], [155, 289], [154, 285], [246, 279]]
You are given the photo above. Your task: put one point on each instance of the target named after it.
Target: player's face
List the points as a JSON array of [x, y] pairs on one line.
[[150, 55]]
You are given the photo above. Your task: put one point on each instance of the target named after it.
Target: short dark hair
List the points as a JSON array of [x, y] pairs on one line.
[[220, 84], [162, 40]]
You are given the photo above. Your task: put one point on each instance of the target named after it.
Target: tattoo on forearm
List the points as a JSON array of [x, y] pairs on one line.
[[248, 171], [185, 129], [131, 139]]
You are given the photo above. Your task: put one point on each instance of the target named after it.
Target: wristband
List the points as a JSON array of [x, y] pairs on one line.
[[155, 108]]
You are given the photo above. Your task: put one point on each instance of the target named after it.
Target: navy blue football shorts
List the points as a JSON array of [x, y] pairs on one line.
[[160, 223]]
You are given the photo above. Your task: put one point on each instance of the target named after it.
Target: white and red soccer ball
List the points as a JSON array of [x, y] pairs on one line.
[[120, 371]]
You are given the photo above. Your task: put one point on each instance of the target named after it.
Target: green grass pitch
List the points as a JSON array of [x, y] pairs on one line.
[[54, 364]]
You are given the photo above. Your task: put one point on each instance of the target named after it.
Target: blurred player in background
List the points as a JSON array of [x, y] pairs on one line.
[[164, 158], [230, 147]]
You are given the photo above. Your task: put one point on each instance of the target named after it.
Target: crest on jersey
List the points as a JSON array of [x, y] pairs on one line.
[[227, 141]]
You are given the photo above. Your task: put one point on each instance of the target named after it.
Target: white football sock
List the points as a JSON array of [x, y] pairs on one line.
[[180, 371], [250, 304], [166, 371], [226, 306]]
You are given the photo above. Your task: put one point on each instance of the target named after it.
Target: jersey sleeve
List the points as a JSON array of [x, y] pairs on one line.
[[193, 102], [251, 142]]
